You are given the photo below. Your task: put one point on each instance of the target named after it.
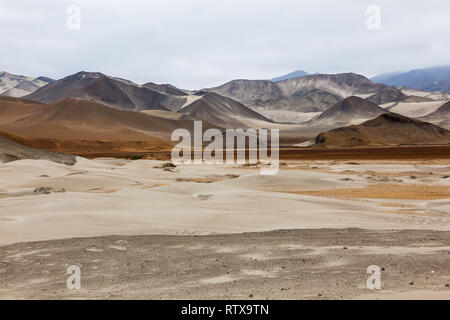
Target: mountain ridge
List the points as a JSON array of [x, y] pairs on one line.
[[387, 129], [114, 92], [427, 79]]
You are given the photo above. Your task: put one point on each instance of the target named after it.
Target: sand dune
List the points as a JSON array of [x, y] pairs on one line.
[[108, 196], [414, 109]]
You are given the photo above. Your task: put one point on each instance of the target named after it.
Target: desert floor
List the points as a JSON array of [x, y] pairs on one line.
[[208, 231]]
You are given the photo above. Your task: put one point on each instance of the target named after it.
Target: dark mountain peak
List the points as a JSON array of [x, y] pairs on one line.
[[391, 118], [386, 129], [291, 75], [215, 96], [348, 110], [83, 75], [386, 95], [354, 103], [45, 79], [165, 88], [217, 109]]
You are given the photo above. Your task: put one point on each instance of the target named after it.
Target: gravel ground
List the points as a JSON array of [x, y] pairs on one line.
[[291, 264]]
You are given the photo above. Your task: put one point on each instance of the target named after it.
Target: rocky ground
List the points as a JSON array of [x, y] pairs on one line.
[[297, 264]]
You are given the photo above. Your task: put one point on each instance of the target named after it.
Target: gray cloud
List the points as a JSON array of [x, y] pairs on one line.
[[202, 43]]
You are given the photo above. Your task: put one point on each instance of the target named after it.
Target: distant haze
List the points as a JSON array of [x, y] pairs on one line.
[[204, 43]]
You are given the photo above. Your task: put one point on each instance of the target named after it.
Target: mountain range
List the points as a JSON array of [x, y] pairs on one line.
[[90, 112], [428, 79], [114, 92], [296, 94]]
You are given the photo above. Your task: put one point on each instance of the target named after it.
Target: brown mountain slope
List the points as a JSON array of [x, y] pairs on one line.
[[114, 92], [12, 109], [223, 111], [10, 151], [80, 119], [387, 129], [347, 111]]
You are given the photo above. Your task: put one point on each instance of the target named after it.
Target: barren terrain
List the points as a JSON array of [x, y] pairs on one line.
[[146, 229]]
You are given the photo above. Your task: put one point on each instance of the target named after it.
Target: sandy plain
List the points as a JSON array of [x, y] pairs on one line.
[[143, 229]]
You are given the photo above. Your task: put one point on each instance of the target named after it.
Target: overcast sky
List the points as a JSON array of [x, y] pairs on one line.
[[202, 43]]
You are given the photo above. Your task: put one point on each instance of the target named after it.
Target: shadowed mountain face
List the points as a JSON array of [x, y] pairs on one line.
[[114, 92], [347, 111], [387, 129], [285, 94], [10, 151], [429, 79], [386, 95], [18, 86], [223, 111], [315, 100], [252, 93]]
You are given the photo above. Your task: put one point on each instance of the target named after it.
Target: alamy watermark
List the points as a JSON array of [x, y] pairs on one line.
[[74, 280], [374, 281], [374, 18], [193, 151], [73, 17]]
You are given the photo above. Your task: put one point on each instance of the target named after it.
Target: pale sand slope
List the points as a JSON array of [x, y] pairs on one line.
[[414, 109], [438, 96], [119, 197], [286, 116]]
